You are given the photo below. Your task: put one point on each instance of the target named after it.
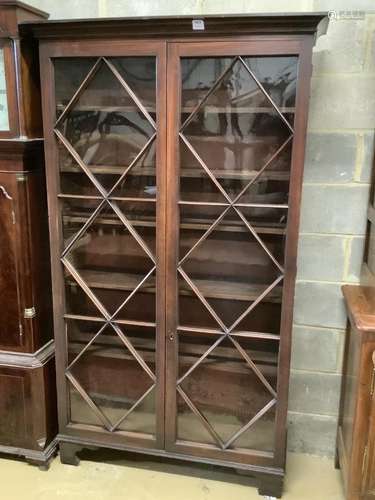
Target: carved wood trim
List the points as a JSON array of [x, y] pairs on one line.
[[141, 27], [22, 360], [360, 304]]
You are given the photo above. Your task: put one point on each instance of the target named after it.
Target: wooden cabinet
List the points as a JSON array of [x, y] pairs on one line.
[[27, 373], [356, 437], [174, 162], [355, 451]]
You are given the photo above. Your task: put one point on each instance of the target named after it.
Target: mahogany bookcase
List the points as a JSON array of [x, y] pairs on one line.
[[174, 151]]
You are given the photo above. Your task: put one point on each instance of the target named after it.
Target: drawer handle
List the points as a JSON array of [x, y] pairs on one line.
[[5, 193]]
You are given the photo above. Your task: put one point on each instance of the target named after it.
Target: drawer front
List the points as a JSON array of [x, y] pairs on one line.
[[13, 396]]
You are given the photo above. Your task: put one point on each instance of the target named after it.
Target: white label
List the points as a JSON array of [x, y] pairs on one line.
[[198, 24]]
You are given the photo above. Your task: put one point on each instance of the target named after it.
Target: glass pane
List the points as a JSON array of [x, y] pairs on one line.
[[69, 74], [229, 267], [278, 76], [215, 386], [198, 75], [106, 148], [139, 180], [237, 130], [94, 369], [4, 116], [97, 254], [140, 74], [106, 127]]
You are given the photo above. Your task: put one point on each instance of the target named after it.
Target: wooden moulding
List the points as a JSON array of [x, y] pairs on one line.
[[28, 405], [20, 155], [13, 12], [355, 436], [136, 27], [26, 360], [360, 304]]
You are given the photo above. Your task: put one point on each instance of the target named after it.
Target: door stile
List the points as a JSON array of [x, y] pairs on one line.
[[291, 245], [55, 231], [172, 235], [161, 211], [49, 51]]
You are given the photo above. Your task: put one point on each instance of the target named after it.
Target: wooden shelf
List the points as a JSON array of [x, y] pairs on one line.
[[106, 109], [210, 289], [238, 109], [115, 281], [260, 140], [187, 224], [229, 290], [194, 173], [109, 169], [246, 175], [111, 346], [185, 109]]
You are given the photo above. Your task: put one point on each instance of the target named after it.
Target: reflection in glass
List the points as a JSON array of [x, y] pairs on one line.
[[97, 367], [237, 129], [106, 148], [4, 116], [216, 387], [229, 266], [104, 125], [97, 254], [137, 180], [69, 74]]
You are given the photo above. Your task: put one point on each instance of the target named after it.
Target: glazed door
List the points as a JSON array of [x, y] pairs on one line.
[[106, 149], [231, 263]]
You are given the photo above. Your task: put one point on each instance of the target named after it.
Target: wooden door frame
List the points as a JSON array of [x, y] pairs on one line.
[[97, 48], [300, 46]]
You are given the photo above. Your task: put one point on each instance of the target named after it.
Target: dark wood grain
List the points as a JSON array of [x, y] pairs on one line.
[[28, 422], [355, 440], [25, 235], [10, 334], [181, 26]]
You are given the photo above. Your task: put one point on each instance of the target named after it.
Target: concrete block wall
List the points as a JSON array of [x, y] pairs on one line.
[[340, 148], [339, 155]]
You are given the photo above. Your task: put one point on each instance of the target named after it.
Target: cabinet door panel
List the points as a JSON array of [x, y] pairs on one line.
[[9, 262], [13, 408], [110, 203], [232, 127]]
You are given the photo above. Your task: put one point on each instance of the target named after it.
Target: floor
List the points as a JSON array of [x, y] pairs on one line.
[[309, 478]]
